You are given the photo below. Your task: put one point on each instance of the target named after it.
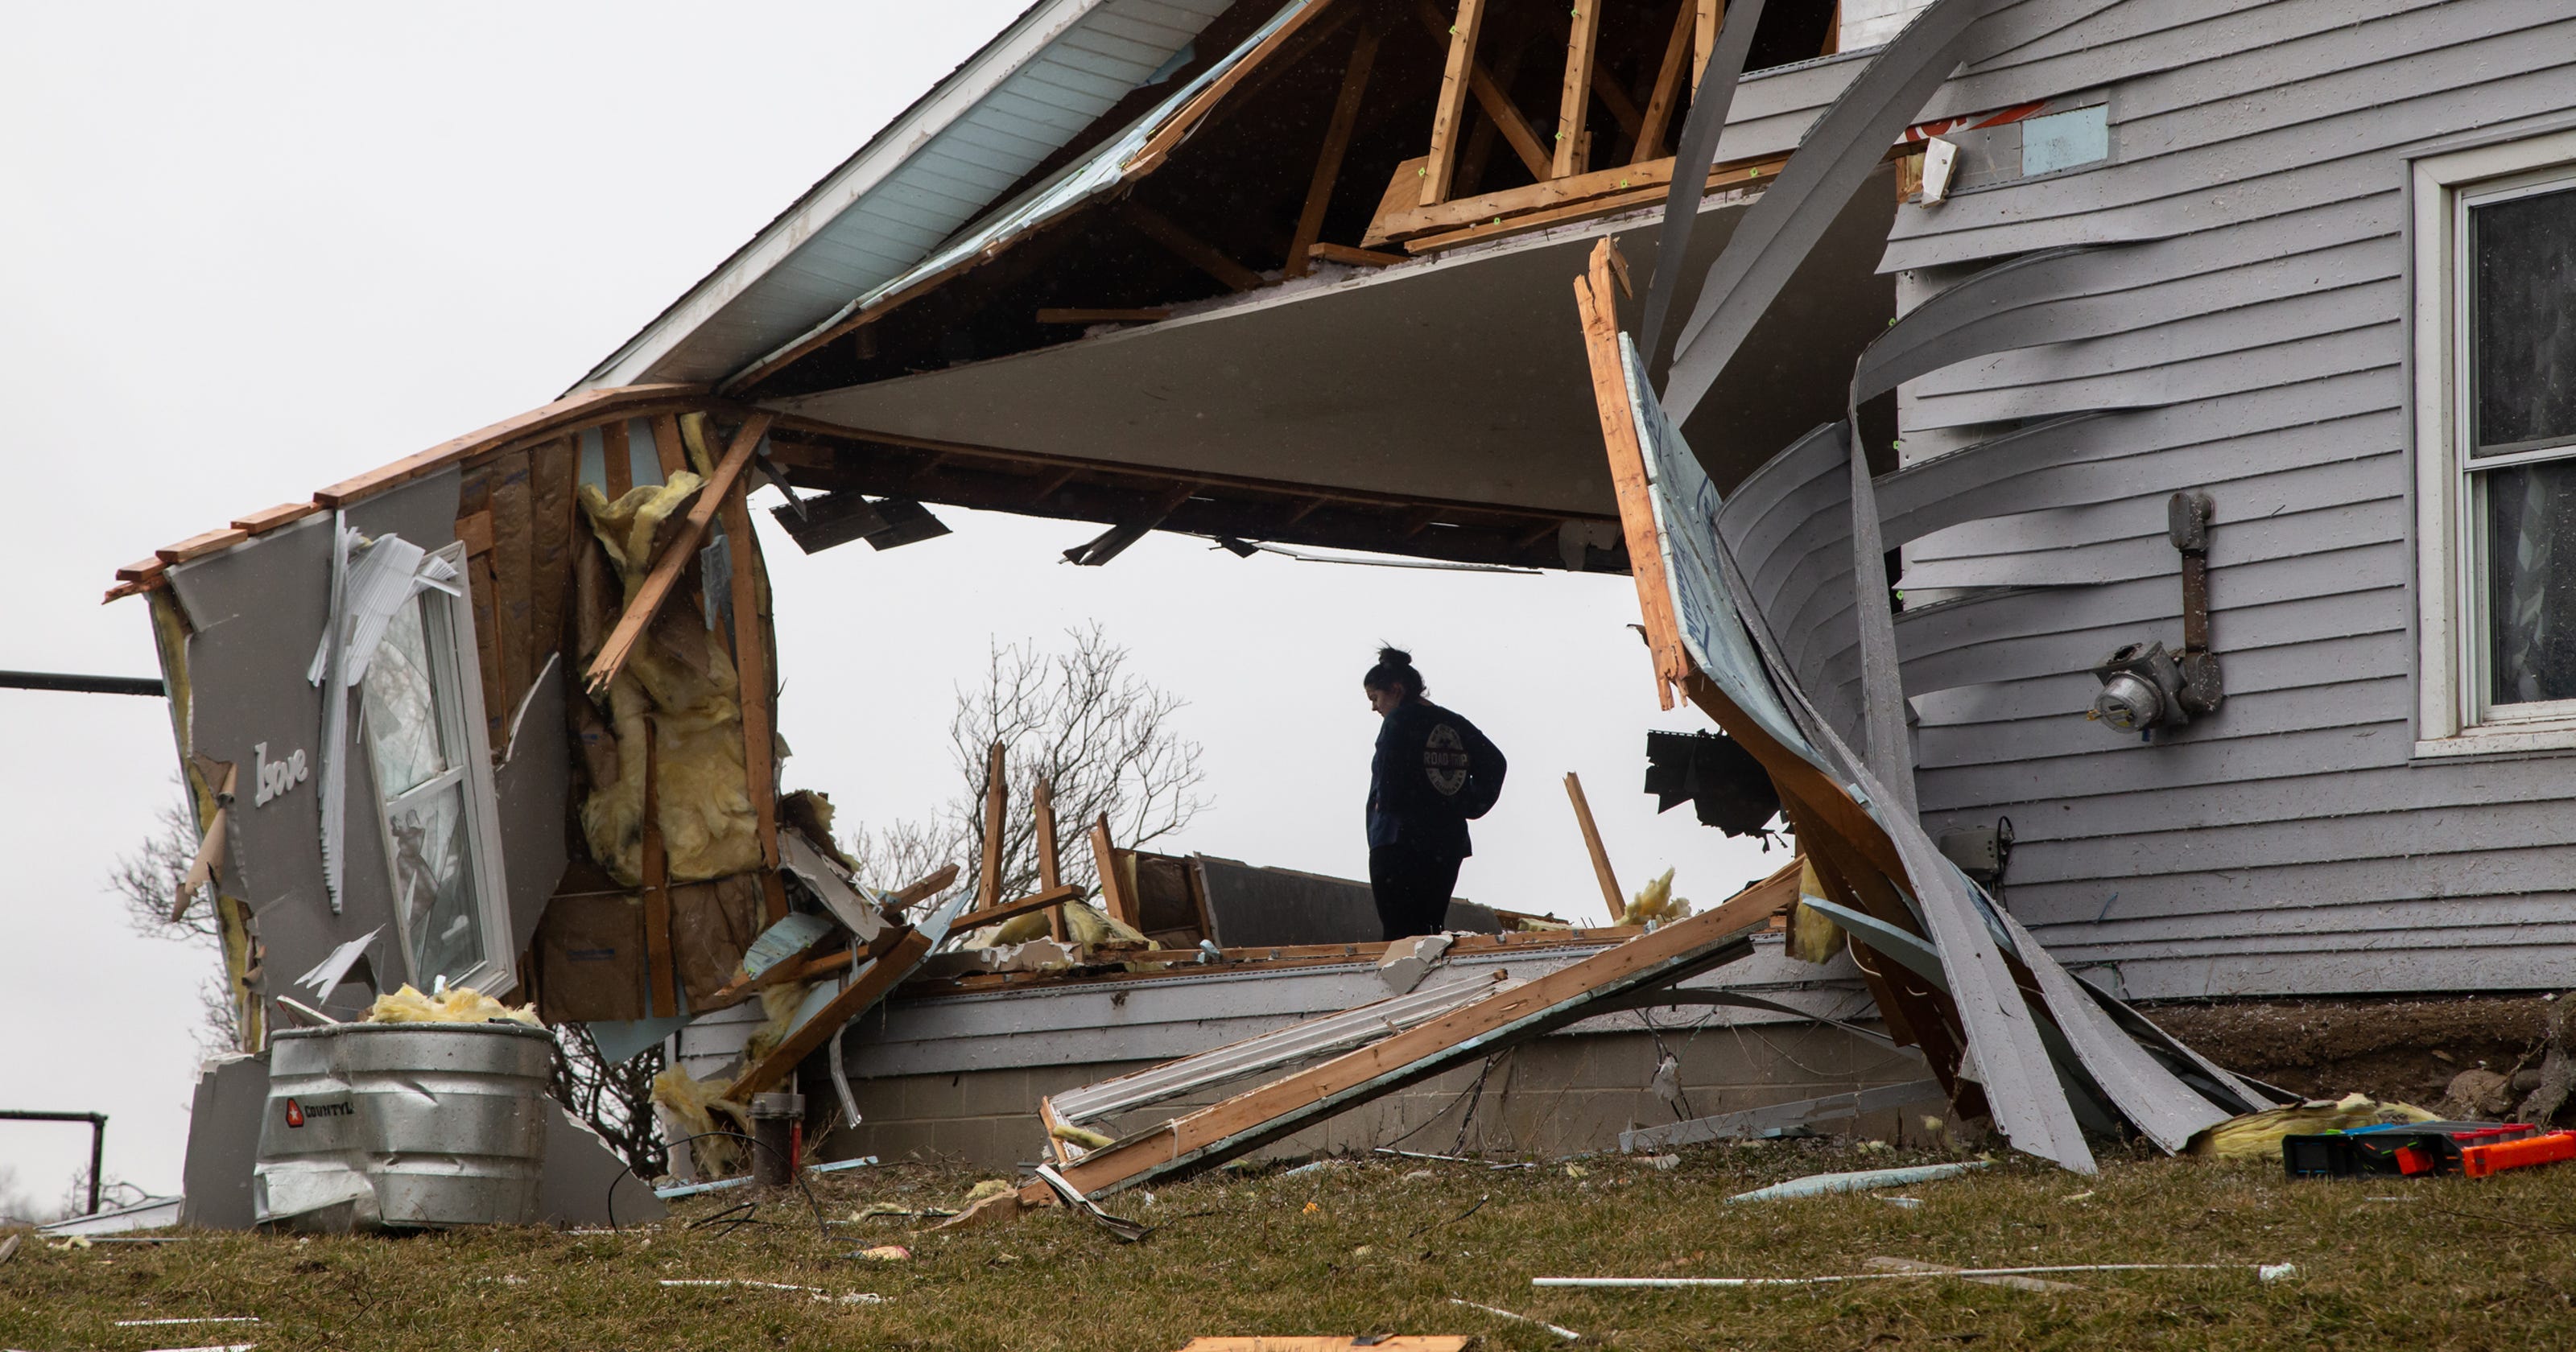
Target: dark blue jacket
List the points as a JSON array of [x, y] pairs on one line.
[[1432, 773]]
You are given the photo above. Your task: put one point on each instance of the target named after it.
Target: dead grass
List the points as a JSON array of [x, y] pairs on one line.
[[1381, 1246]]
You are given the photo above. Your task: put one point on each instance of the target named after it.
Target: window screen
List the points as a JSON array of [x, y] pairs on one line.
[[2522, 314]]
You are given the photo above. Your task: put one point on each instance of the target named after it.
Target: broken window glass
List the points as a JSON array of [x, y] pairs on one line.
[[2522, 315], [2531, 581], [410, 699]]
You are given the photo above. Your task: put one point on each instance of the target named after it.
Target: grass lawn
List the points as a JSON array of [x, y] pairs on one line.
[[1382, 1246]]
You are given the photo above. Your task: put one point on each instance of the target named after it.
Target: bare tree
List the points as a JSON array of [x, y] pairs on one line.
[[1078, 720], [615, 1100], [147, 883]]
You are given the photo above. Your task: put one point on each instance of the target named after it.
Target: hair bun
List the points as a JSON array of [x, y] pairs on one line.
[[1394, 657]]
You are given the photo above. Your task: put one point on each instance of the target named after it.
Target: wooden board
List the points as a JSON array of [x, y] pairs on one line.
[[513, 565], [1397, 1342], [1337, 144], [1013, 910], [1187, 247], [997, 806], [1246, 1121], [1668, 93], [201, 544], [552, 533], [1050, 861], [897, 962], [1574, 98], [616, 460], [284, 513], [1449, 115], [1114, 892], [661, 980], [571, 410], [1610, 893], [1601, 190], [757, 689], [676, 555]]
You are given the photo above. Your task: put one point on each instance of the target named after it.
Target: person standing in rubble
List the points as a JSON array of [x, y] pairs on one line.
[[1432, 774]]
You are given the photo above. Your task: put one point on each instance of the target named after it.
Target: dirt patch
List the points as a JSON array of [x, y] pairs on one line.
[[2405, 1049]]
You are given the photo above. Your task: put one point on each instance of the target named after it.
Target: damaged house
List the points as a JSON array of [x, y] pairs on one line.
[[2100, 460]]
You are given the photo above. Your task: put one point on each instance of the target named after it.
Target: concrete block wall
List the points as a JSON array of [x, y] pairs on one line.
[[1867, 23], [1559, 1095]]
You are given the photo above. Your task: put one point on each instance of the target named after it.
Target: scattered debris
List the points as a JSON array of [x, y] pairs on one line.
[[1818, 1185], [1559, 1330], [1944, 1270], [1390, 1343], [2257, 1136], [2264, 1272], [1903, 1203], [693, 1189], [1665, 1164], [818, 1293], [885, 1253], [190, 1319], [9, 1247]]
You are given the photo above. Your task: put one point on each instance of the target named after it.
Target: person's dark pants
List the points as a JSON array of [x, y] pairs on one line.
[[1412, 889]]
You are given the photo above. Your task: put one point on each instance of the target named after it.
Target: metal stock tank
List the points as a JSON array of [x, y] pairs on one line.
[[403, 1125]]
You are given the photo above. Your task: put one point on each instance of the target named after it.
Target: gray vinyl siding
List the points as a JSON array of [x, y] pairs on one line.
[[2252, 320]]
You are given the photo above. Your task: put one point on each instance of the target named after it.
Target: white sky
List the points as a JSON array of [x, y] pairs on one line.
[[249, 249]]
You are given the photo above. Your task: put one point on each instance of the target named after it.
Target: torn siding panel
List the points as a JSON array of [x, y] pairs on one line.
[[259, 610]]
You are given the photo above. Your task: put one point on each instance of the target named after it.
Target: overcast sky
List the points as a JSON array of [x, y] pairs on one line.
[[250, 249]]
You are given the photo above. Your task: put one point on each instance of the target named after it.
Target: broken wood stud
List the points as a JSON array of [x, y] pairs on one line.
[[676, 554], [1610, 892], [1114, 896], [1050, 863], [896, 963], [997, 795]]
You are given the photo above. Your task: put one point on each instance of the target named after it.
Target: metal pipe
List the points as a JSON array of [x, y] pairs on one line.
[[97, 1140], [80, 684]]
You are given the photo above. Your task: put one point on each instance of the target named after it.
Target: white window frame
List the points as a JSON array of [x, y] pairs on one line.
[[2453, 716], [452, 672]]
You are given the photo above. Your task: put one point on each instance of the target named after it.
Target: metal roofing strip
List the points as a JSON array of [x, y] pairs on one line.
[[1037, 44], [1100, 172]]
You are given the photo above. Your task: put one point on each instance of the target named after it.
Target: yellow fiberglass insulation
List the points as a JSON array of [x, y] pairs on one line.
[[778, 1009], [1655, 901], [2257, 1136], [1813, 935], [1092, 927], [679, 681], [457, 1004], [694, 1103]]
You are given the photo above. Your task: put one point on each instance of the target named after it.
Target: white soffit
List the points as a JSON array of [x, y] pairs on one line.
[[938, 166]]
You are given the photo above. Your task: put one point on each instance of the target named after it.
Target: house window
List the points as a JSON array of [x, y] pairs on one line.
[[421, 714], [2496, 447]]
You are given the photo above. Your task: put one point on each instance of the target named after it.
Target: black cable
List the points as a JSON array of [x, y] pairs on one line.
[[821, 1227]]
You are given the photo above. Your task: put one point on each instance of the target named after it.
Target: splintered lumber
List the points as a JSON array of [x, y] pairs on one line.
[[201, 544], [1575, 102], [1114, 894], [1250, 1120], [1337, 144], [1050, 862], [1610, 892], [660, 974], [1311, 1037], [1013, 910], [752, 684], [997, 801], [676, 554], [1449, 115], [891, 966]]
